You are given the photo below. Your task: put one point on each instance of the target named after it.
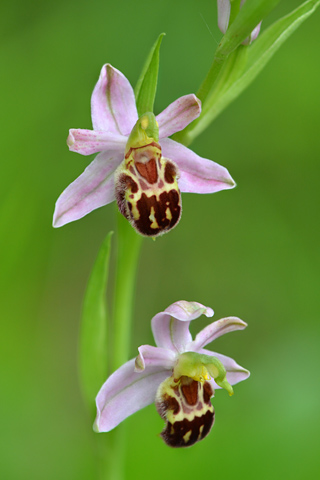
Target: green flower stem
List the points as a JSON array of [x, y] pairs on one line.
[[111, 445], [129, 243], [242, 22], [211, 77], [111, 454], [187, 135]]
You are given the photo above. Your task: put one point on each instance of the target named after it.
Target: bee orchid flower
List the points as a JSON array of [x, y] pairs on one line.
[[179, 375], [137, 164]]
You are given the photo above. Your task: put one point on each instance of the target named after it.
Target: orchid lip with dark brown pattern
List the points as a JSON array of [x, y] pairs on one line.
[[186, 406], [147, 191]]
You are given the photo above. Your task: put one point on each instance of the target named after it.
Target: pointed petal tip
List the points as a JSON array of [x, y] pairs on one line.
[[60, 218], [236, 321], [70, 139], [231, 182], [57, 221], [196, 100], [192, 100], [55, 224], [178, 115], [245, 374], [95, 426], [197, 174], [228, 180], [150, 357], [139, 364]]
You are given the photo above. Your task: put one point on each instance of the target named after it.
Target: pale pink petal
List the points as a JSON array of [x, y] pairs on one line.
[[126, 392], [197, 174], [178, 115], [171, 327], [215, 330], [150, 356], [235, 373], [224, 7], [113, 106], [255, 32], [93, 189], [87, 142]]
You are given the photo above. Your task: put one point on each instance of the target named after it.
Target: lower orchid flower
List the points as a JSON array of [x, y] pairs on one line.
[[138, 165], [179, 375]]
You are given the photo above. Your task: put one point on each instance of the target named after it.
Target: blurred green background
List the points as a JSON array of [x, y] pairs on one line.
[[251, 252]]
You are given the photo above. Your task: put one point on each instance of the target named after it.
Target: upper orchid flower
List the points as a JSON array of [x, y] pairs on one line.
[[138, 165], [224, 11], [179, 375]]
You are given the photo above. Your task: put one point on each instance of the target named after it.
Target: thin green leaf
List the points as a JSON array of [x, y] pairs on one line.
[[230, 85], [93, 333], [146, 87]]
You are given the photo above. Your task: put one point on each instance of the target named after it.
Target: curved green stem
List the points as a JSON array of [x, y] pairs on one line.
[[111, 446], [129, 243]]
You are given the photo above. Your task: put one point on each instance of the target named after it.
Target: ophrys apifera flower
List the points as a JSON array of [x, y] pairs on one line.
[[138, 165], [179, 375]]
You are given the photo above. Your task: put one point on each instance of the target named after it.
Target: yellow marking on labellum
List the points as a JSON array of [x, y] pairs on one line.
[[168, 213], [146, 189], [186, 407], [152, 218]]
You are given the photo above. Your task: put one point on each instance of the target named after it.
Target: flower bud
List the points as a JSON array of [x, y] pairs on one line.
[[230, 8]]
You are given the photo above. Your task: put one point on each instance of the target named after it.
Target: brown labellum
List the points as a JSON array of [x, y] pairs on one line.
[[187, 409], [147, 191]]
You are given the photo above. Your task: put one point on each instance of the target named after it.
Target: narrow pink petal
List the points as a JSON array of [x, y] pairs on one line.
[[171, 327], [178, 115], [215, 330], [224, 7], [87, 142], [197, 174], [124, 393], [150, 356], [113, 106], [255, 32], [93, 189], [235, 373]]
